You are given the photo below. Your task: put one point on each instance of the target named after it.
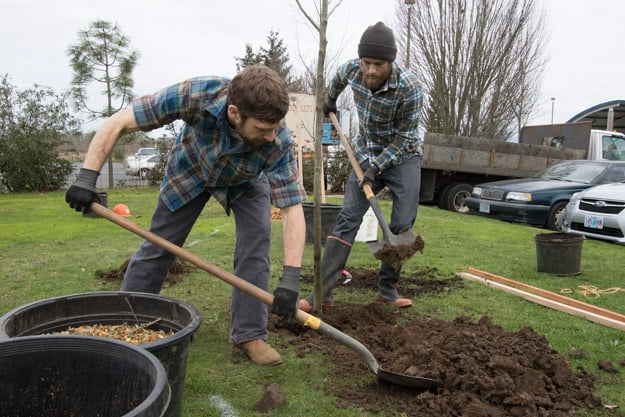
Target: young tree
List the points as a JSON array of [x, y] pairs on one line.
[[102, 56], [481, 62], [32, 125]]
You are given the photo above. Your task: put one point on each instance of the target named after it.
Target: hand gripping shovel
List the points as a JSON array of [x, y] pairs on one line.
[[267, 298], [394, 249]]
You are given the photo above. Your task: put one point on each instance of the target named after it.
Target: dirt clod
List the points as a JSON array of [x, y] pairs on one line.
[[273, 397], [607, 366]]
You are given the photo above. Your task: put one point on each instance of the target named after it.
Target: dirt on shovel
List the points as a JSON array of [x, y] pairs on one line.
[[398, 254]]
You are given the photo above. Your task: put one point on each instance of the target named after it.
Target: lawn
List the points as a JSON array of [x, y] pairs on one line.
[[47, 249]]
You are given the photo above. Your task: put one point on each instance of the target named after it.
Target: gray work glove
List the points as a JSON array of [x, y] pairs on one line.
[[329, 106], [82, 193], [285, 297], [369, 176]]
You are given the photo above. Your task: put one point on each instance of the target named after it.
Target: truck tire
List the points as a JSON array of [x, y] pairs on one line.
[[454, 196], [556, 216]]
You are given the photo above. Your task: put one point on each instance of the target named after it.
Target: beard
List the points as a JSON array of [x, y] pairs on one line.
[[374, 82]]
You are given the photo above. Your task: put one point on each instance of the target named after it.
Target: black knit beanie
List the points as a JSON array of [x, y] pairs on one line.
[[378, 42]]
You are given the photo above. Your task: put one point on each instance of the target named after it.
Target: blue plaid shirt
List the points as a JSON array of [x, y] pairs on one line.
[[389, 118], [205, 157]]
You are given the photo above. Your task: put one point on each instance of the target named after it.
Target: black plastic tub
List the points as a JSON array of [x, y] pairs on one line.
[[559, 253], [67, 376], [116, 307], [329, 213]]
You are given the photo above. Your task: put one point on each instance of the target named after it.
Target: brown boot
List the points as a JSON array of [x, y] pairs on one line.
[[398, 302], [306, 307], [260, 352]]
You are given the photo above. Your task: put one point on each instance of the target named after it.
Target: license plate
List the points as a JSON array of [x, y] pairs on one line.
[[593, 222], [484, 208]]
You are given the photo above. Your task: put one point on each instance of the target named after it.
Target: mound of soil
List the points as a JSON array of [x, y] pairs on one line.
[[176, 274], [484, 370]]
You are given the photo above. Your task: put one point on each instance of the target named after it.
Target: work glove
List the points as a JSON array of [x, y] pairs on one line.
[[369, 176], [82, 193], [286, 295], [329, 106]]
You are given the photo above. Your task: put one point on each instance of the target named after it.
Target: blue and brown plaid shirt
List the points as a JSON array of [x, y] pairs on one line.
[[388, 119], [205, 157]]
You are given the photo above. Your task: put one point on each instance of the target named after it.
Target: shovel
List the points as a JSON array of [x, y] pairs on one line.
[[263, 296], [393, 249]]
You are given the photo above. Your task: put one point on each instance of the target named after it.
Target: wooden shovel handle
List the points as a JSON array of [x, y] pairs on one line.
[[352, 158]]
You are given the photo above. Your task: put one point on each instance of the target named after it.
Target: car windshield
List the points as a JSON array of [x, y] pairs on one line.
[[573, 172]]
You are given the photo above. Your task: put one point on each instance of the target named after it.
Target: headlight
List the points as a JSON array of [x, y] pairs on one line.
[[575, 198], [477, 191], [516, 196]]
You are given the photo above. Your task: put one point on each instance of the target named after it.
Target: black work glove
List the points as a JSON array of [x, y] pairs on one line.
[[329, 106], [369, 176], [82, 193], [285, 297]]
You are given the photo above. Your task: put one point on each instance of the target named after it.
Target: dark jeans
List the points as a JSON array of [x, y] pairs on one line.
[[150, 264], [402, 180]]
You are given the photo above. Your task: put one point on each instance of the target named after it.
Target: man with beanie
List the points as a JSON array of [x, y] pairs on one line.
[[388, 147]]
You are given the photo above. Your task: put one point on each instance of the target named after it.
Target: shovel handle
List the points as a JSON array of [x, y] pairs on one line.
[[366, 187]]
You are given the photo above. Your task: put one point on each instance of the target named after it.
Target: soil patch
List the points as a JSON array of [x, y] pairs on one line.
[[176, 274], [485, 371]]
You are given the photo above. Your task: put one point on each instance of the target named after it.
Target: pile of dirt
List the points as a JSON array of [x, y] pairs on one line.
[[176, 274], [484, 370]]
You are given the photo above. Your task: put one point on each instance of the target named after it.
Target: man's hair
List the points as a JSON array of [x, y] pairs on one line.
[[259, 92]]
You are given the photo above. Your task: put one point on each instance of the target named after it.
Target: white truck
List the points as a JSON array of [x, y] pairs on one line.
[[452, 165]]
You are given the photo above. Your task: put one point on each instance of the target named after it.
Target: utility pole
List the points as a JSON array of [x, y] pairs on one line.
[[409, 3], [553, 102]]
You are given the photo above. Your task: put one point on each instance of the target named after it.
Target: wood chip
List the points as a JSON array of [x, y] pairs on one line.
[[131, 333]]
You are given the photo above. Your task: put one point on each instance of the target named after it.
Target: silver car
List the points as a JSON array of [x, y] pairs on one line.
[[141, 166], [597, 212]]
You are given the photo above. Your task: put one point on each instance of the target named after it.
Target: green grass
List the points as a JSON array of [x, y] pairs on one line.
[[47, 249]]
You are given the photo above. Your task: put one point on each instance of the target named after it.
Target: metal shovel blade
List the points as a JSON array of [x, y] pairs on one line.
[[406, 380], [394, 249]]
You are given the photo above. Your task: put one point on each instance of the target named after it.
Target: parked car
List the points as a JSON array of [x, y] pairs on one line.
[[146, 152], [598, 212], [540, 200], [141, 166]]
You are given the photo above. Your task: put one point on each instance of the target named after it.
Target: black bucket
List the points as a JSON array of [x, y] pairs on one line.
[[559, 253], [58, 376], [116, 307], [329, 213]]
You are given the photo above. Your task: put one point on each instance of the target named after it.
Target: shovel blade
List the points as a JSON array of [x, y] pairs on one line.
[[396, 249], [407, 380]]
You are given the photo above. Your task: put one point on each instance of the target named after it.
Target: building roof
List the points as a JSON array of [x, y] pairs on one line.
[[600, 113]]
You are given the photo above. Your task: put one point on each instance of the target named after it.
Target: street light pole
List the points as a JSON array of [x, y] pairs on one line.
[[409, 3], [553, 101]]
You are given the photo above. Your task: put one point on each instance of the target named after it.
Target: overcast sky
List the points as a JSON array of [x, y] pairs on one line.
[[178, 39]]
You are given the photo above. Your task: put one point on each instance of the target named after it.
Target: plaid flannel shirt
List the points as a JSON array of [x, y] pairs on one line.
[[204, 157], [388, 119]]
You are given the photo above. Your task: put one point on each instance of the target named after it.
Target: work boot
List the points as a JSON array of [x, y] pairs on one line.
[[259, 352], [332, 265], [387, 291]]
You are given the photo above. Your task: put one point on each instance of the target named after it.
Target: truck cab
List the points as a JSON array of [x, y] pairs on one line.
[[606, 145]]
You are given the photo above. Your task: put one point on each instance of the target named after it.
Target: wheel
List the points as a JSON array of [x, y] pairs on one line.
[[442, 197], [555, 218], [454, 197]]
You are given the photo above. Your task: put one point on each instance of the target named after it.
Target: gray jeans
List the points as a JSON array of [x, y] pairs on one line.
[[150, 264], [404, 183]]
